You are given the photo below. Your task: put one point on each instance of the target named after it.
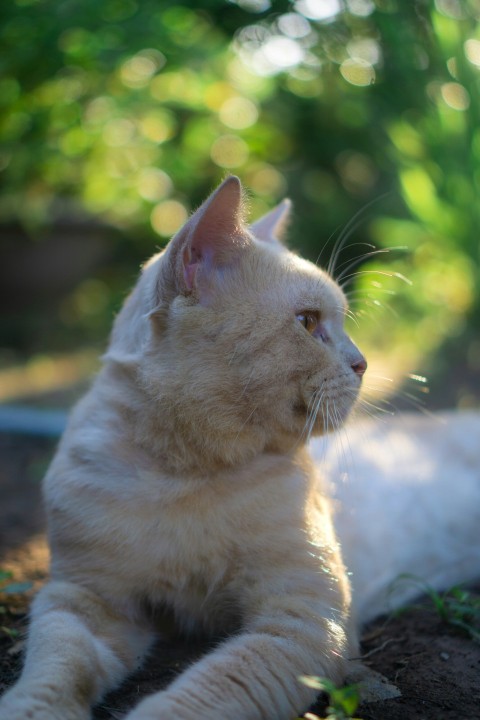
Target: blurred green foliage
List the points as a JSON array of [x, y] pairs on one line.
[[132, 110]]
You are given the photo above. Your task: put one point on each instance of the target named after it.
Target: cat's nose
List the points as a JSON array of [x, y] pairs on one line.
[[359, 366]]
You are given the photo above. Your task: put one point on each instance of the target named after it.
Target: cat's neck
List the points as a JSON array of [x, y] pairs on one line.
[[181, 439]]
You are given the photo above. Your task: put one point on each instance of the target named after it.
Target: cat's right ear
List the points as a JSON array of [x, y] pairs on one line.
[[211, 239], [271, 227]]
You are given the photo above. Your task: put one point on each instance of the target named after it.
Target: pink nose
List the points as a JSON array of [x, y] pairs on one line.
[[359, 367]]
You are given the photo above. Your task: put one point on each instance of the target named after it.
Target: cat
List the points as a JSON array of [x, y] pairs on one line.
[[183, 487], [182, 482], [406, 502]]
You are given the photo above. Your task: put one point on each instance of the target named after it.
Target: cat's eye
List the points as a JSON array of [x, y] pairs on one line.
[[309, 320]]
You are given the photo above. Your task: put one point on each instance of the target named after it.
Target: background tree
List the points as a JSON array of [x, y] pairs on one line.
[[127, 112]]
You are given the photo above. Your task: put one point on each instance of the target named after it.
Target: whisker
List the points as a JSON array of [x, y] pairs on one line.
[[325, 245], [376, 303], [361, 409], [378, 408], [368, 404], [369, 293], [376, 376], [347, 232], [245, 422], [357, 260], [400, 393], [349, 228], [385, 273], [348, 313], [311, 412], [342, 436], [313, 419]]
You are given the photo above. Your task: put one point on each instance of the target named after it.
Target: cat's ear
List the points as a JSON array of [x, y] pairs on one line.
[[211, 239], [271, 227]]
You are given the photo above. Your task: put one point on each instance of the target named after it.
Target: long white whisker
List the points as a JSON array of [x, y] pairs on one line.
[[360, 258], [368, 293], [348, 313], [349, 228], [313, 419], [325, 245], [384, 273], [344, 432]]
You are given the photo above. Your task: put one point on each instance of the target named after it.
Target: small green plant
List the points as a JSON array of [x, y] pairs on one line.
[[342, 701], [12, 588], [456, 606], [11, 632]]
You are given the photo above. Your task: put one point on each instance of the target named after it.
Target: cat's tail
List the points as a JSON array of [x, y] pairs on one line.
[[407, 505]]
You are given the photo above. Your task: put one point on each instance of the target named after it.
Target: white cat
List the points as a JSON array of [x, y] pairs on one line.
[[183, 483], [406, 502]]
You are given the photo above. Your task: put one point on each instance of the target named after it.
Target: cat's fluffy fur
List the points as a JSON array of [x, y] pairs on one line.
[[183, 484], [406, 500]]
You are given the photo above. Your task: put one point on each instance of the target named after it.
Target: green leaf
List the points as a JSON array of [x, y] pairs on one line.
[[5, 575], [11, 632], [14, 588]]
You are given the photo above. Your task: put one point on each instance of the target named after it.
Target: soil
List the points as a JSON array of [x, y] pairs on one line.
[[435, 667]]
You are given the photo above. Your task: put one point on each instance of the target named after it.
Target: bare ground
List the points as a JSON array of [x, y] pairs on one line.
[[435, 667]]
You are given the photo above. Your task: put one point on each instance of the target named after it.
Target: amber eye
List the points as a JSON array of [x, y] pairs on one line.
[[309, 321]]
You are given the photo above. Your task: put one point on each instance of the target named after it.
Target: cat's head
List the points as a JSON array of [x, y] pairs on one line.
[[238, 335]]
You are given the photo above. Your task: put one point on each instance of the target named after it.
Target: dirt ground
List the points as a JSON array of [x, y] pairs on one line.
[[435, 667]]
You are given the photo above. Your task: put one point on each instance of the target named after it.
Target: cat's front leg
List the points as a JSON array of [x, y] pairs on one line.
[[78, 647], [255, 675]]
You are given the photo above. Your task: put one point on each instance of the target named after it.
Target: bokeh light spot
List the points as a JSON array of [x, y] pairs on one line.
[[255, 6], [357, 71], [451, 8], [324, 10], [137, 71], [154, 184], [293, 25], [229, 151], [266, 180], [216, 94], [283, 52], [238, 113], [472, 51], [167, 217], [357, 171], [118, 132], [455, 96], [365, 49], [157, 126], [362, 8]]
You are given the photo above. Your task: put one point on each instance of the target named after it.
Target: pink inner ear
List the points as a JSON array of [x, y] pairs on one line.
[[190, 267], [210, 235]]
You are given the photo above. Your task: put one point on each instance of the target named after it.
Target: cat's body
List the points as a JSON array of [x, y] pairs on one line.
[[183, 484]]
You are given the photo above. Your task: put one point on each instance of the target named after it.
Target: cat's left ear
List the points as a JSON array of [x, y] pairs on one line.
[[215, 232], [271, 227]]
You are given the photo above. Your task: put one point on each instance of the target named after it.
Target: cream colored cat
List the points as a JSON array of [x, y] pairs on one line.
[[183, 483]]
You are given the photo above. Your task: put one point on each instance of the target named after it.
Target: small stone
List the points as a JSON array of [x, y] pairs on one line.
[[445, 656]]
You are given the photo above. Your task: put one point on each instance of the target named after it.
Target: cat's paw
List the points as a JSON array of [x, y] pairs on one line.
[[20, 703], [160, 707]]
